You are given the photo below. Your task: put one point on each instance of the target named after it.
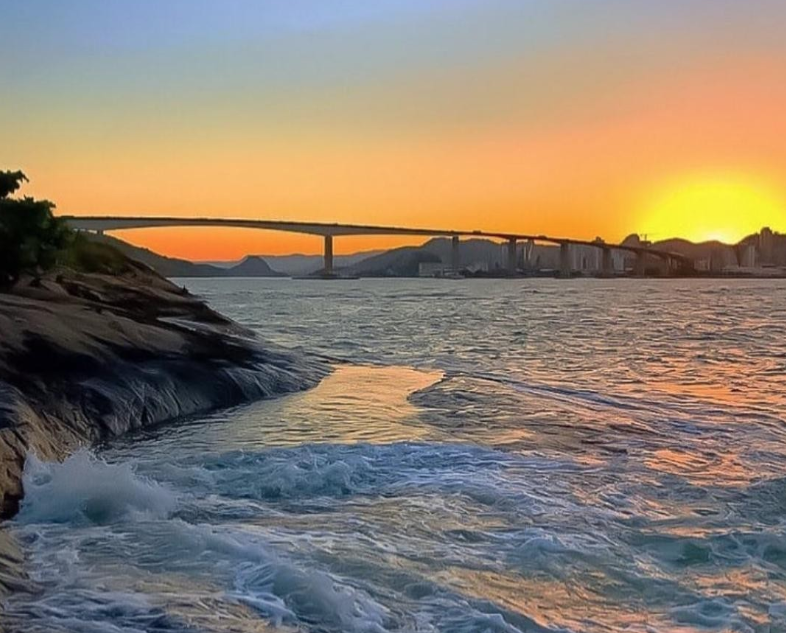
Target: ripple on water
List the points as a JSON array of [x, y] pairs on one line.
[[595, 457]]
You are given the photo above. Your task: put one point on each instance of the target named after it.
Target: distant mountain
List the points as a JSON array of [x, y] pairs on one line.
[[173, 267], [165, 266], [398, 262], [299, 264], [767, 249], [713, 251], [471, 251], [690, 249], [252, 266], [405, 261]]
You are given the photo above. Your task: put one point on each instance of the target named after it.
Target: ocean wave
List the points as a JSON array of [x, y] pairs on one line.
[[234, 519], [340, 471], [287, 593], [84, 488]]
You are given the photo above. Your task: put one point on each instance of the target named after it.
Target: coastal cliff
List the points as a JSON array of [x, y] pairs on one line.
[[86, 357]]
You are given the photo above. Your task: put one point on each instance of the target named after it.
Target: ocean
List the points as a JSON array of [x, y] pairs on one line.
[[487, 456]]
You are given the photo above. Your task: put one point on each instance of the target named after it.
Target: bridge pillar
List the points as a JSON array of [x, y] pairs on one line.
[[607, 267], [455, 255], [328, 271], [512, 256], [565, 265], [641, 264]]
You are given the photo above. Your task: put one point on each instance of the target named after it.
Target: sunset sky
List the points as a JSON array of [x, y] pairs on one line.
[[577, 118]]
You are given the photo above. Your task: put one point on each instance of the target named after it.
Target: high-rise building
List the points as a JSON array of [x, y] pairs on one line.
[[749, 259], [766, 246]]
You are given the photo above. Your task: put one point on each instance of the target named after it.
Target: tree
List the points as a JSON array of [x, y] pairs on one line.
[[31, 238], [10, 181]]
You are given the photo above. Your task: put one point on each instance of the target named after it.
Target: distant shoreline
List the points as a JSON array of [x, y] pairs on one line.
[[761, 256]]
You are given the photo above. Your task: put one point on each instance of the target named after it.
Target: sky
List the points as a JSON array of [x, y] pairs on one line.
[[574, 118]]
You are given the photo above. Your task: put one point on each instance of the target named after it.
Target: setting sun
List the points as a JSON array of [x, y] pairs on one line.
[[713, 208]]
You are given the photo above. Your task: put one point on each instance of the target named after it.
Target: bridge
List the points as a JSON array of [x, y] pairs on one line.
[[674, 261]]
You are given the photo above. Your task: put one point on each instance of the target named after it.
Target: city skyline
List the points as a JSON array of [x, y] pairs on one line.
[[561, 117]]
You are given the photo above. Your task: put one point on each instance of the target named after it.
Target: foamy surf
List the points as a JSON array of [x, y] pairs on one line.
[[86, 488], [108, 534]]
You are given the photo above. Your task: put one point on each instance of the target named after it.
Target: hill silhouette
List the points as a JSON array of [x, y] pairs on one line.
[[251, 266]]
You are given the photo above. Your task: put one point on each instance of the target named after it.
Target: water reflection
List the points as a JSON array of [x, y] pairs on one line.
[[501, 456]]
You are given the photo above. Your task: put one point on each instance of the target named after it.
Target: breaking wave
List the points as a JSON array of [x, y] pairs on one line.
[[85, 488]]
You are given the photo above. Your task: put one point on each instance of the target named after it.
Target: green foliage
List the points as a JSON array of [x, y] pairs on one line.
[[31, 238], [88, 256]]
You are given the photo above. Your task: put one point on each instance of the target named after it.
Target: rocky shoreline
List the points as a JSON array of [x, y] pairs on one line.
[[84, 358]]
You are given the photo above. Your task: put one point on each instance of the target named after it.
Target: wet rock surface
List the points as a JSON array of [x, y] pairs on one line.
[[87, 357]]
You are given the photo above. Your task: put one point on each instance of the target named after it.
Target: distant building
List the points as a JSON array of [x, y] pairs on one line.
[[767, 246], [433, 269], [721, 258], [440, 269], [586, 259], [480, 267], [538, 257], [749, 258], [766, 249]]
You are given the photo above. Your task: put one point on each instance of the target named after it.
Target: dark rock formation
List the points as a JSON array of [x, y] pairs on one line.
[[88, 357]]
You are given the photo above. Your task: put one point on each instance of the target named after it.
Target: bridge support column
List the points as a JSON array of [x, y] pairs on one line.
[[529, 251], [565, 265], [607, 266], [640, 268], [513, 264], [455, 255], [328, 270]]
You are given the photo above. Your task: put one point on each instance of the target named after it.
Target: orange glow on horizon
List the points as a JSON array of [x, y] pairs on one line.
[[231, 244], [575, 172]]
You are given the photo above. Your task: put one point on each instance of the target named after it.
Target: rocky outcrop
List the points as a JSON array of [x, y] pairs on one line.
[[12, 572], [88, 357]]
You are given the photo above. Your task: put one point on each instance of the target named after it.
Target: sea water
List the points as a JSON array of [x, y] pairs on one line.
[[487, 456]]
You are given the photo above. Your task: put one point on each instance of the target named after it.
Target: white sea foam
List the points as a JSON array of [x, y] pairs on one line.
[[281, 589], [84, 488], [285, 592]]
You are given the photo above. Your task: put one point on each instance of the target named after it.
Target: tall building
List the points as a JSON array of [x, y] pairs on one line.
[[749, 258], [766, 246]]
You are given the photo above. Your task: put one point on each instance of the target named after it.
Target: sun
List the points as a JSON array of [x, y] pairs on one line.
[[723, 208]]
